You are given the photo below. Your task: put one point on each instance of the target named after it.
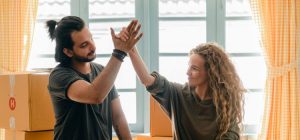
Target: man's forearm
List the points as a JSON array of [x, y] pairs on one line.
[[104, 82], [121, 128]]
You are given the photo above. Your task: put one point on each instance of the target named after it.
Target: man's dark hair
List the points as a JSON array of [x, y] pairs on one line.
[[61, 32]]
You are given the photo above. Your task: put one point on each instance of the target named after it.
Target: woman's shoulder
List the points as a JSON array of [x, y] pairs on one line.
[[184, 89]]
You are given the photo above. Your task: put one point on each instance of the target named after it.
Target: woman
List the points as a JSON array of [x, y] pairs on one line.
[[210, 105]]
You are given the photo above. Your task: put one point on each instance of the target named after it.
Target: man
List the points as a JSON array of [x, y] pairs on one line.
[[85, 101]]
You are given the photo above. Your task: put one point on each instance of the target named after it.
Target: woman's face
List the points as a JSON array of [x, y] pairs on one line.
[[196, 72]]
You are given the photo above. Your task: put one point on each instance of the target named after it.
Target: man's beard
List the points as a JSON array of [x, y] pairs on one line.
[[84, 59]]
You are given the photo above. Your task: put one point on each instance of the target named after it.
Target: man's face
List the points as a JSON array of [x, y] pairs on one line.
[[84, 47]]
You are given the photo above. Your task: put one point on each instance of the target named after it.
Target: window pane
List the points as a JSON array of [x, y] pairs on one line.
[[36, 63], [252, 71], [174, 68], [102, 37], [41, 44], [180, 36], [182, 8], [111, 8], [126, 78], [238, 8], [242, 36], [53, 9], [254, 107], [128, 102]]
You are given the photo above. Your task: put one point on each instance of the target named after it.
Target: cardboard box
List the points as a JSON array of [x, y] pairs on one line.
[[147, 137], [25, 103], [160, 124], [25, 135]]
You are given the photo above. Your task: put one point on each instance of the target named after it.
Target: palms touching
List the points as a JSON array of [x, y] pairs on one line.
[[128, 37]]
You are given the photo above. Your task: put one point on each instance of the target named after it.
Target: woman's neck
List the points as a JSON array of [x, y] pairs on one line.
[[201, 91]]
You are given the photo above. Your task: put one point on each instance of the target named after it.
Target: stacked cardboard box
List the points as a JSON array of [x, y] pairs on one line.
[[148, 137], [25, 106], [28, 135], [160, 124]]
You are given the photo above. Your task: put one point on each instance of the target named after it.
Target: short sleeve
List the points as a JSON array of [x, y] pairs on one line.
[[114, 93], [60, 80]]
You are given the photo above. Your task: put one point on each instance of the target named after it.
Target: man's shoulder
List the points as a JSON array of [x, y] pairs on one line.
[[61, 76], [97, 65], [61, 68], [61, 72]]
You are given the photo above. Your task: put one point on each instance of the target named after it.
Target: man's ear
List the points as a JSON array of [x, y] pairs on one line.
[[68, 52]]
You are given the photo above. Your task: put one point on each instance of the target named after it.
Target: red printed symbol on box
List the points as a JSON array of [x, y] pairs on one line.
[[12, 103]]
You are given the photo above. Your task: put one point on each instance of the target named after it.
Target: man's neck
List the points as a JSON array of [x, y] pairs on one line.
[[82, 67]]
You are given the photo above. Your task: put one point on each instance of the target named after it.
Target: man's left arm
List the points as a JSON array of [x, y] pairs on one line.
[[119, 121]]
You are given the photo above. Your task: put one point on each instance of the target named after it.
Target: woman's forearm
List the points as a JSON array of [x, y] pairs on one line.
[[140, 68]]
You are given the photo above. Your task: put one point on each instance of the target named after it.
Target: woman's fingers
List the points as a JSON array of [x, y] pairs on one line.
[[131, 24], [138, 38], [134, 34]]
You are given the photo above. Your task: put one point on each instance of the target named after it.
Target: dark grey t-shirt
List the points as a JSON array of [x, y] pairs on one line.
[[191, 118], [74, 120]]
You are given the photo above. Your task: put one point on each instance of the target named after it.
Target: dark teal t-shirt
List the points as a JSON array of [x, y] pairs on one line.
[[74, 120]]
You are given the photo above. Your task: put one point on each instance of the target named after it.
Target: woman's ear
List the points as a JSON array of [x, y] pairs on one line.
[[68, 52]]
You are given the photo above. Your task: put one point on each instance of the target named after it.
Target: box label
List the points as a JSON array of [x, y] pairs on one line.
[[12, 103]]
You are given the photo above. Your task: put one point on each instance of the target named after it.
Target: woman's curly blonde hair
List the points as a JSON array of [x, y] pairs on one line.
[[224, 86]]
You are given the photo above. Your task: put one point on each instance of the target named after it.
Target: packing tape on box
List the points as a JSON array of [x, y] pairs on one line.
[[12, 120], [12, 81]]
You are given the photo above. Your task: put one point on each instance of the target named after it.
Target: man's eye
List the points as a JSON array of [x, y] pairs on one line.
[[84, 45]]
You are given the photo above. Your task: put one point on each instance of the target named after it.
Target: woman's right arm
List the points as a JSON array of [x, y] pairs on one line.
[[140, 68]]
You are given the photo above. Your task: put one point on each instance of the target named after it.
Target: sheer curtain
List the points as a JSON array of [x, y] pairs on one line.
[[279, 24], [16, 25]]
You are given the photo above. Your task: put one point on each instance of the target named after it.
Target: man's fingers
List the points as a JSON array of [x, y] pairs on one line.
[[112, 32], [124, 30], [123, 38]]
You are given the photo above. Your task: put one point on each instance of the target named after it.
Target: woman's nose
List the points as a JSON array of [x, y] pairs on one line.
[[188, 72]]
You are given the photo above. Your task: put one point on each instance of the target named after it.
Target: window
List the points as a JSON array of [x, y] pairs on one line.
[[116, 14], [42, 51], [177, 19], [171, 28], [242, 43]]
